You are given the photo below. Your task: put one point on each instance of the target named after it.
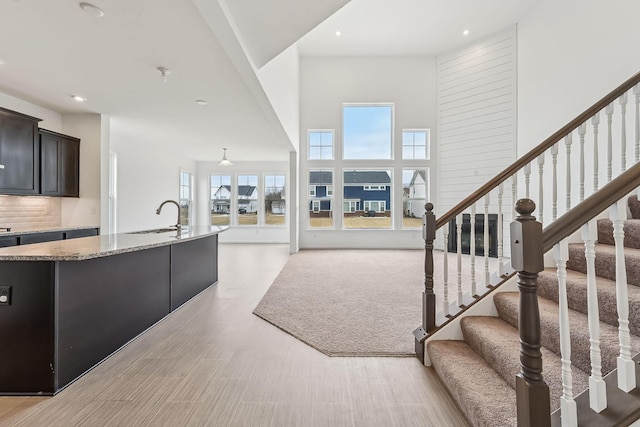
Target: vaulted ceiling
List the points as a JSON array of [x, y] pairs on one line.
[[50, 50]]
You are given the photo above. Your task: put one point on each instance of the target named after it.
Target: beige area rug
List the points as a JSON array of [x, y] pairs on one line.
[[354, 302]]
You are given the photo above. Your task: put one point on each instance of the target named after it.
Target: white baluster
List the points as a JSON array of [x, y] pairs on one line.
[[595, 121], [623, 133], [582, 130], [636, 92], [554, 201], [597, 386], [527, 179], [626, 366], [609, 113], [445, 262], [472, 249], [459, 257], [500, 243], [541, 188], [486, 241], [568, 140], [514, 193], [567, 404]]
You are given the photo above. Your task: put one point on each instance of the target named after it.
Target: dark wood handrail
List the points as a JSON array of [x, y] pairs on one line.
[[534, 153], [592, 206]]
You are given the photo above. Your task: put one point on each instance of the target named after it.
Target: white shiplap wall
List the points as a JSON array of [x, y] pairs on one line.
[[476, 116]]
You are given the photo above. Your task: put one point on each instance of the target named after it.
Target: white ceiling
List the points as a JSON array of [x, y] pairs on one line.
[[52, 49]]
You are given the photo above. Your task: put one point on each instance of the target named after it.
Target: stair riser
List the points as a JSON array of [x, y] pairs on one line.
[[631, 233], [605, 264]]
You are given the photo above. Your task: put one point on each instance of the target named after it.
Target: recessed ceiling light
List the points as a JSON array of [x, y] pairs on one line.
[[91, 9], [465, 33], [201, 102], [78, 98], [338, 33]]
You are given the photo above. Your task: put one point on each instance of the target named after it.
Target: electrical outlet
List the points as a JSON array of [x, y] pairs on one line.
[[5, 295]]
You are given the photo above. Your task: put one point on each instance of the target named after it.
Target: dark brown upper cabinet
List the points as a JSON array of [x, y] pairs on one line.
[[59, 164], [19, 153]]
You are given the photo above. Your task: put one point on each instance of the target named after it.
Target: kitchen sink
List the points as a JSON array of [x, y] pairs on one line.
[[155, 231]]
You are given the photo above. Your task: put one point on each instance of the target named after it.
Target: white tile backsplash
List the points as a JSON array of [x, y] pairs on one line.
[[27, 211]]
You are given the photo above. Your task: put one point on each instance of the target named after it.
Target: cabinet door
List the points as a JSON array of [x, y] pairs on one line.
[[50, 176], [19, 155], [70, 168]]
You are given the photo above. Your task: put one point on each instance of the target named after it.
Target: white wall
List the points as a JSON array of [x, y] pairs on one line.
[[328, 82], [570, 54], [247, 233], [85, 210], [280, 80], [147, 175]]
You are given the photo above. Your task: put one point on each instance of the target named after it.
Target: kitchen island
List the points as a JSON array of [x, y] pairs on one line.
[[67, 305]]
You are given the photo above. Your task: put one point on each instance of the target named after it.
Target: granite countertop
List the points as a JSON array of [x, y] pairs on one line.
[[16, 231], [100, 246]]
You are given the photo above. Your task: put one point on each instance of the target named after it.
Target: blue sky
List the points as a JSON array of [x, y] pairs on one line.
[[367, 131]]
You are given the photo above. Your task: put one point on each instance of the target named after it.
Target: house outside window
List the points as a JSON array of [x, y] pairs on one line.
[[247, 205], [415, 144], [415, 193], [186, 198], [274, 200], [220, 196], [366, 195], [320, 144], [321, 199]]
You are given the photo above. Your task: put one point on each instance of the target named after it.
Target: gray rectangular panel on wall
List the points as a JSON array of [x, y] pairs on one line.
[[476, 116]]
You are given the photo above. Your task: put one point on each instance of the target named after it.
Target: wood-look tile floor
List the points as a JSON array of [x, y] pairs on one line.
[[214, 363]]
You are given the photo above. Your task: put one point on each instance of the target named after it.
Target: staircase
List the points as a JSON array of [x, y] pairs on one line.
[[480, 370]]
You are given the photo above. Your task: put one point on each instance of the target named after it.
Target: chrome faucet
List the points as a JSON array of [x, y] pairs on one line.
[[178, 225]]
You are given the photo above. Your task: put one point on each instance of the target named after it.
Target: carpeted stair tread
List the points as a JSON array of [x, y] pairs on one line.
[[634, 206], [498, 343], [631, 232], [507, 306], [485, 398], [577, 296], [606, 262]]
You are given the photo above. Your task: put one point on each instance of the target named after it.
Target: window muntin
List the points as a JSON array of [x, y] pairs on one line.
[[320, 145], [186, 198], [415, 193], [274, 200], [366, 196], [220, 196], [321, 200], [367, 131], [415, 144], [247, 204]]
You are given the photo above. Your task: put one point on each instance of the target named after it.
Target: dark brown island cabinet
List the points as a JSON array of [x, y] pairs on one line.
[[36, 161], [63, 314]]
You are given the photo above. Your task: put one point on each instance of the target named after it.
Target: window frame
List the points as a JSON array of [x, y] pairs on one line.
[[332, 132], [189, 200], [283, 197], [427, 146]]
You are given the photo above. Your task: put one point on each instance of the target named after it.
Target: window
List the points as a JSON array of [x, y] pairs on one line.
[[415, 144], [274, 200], [415, 193], [320, 199], [220, 196], [375, 205], [247, 206], [367, 131], [321, 145], [374, 187], [366, 195], [185, 198]]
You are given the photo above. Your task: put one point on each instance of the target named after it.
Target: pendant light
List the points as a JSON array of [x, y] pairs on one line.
[[224, 161]]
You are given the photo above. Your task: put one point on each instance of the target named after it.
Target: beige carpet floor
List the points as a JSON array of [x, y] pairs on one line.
[[354, 302]]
